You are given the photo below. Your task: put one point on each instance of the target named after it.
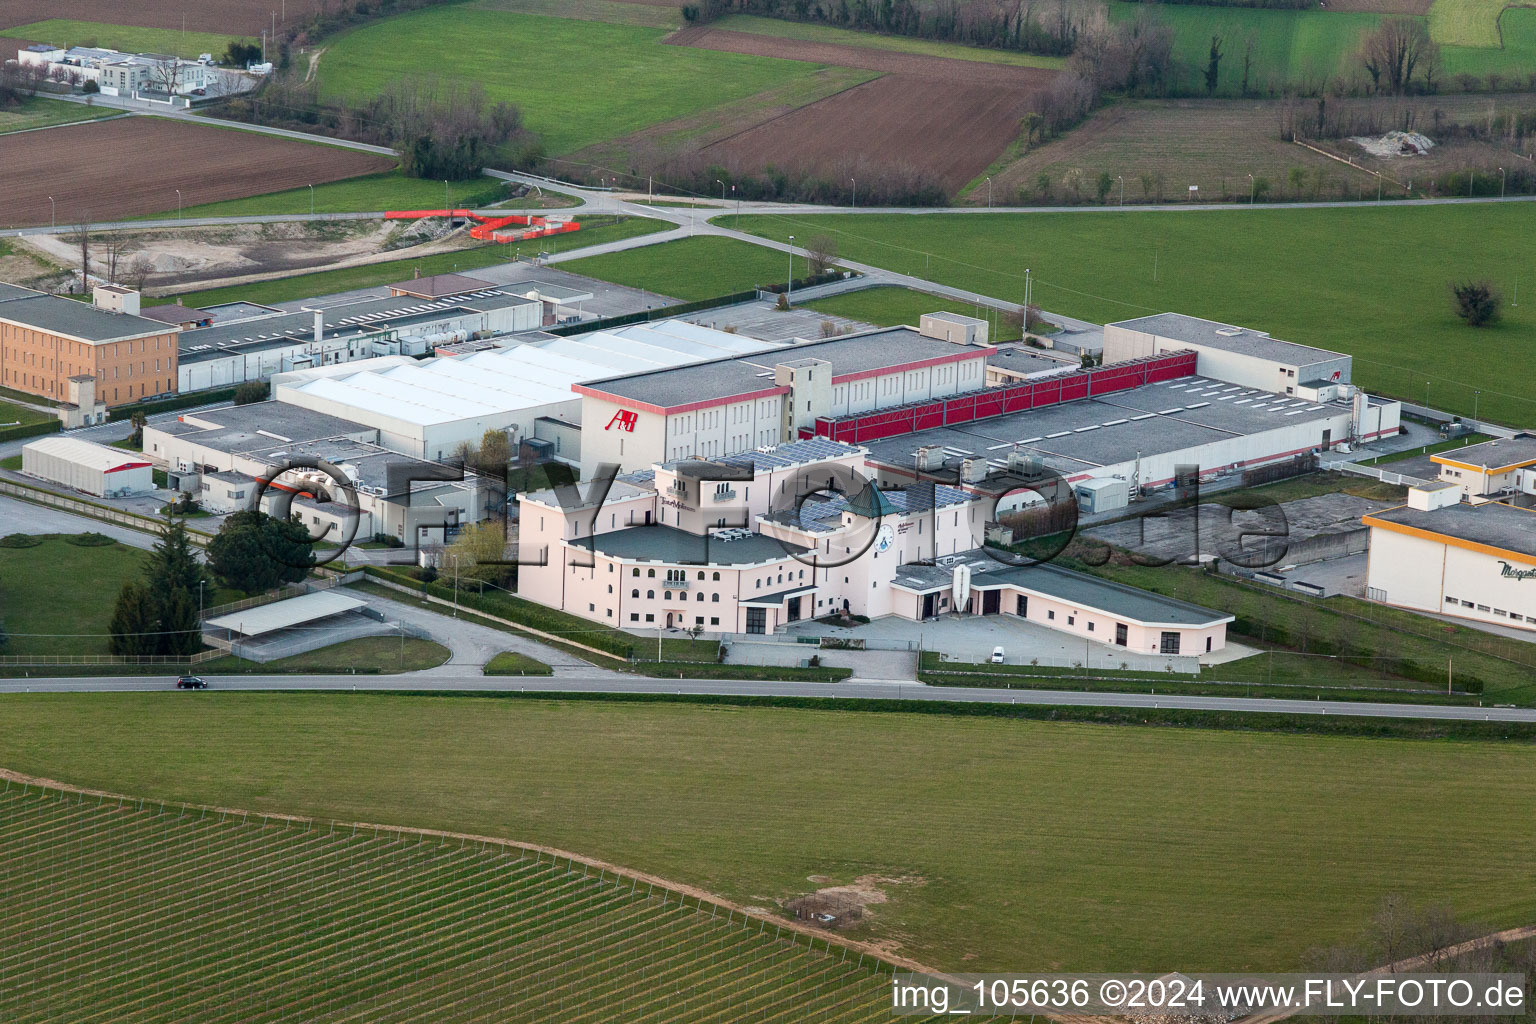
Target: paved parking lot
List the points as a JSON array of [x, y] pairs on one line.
[[762, 321]]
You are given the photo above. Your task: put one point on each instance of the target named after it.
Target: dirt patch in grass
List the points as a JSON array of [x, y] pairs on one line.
[[840, 907]]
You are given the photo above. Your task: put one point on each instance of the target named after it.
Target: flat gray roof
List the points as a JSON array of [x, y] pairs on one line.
[[14, 291], [1509, 451], [790, 453], [669, 544], [1494, 524], [260, 426], [1113, 599], [269, 618], [722, 378], [371, 461], [1081, 435], [78, 319], [1212, 334]]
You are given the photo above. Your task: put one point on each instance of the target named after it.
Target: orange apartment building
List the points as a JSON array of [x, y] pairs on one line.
[[46, 340]]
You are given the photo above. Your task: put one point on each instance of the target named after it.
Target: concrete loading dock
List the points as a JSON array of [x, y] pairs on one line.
[[90, 468]]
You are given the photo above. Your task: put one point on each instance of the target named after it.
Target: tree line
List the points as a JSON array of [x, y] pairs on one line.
[[442, 128], [1033, 26]]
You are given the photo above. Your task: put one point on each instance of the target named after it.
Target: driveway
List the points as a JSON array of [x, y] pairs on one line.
[[867, 666], [471, 645]]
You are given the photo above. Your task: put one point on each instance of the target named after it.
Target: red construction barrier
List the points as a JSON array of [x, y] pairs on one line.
[[998, 401], [488, 228]]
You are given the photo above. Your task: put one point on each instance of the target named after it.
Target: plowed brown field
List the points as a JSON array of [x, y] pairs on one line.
[[948, 118], [234, 17], [111, 170]]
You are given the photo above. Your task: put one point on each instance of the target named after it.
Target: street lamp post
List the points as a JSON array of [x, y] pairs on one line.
[[1475, 395], [855, 202], [447, 201], [178, 204], [311, 200], [722, 190], [1121, 179], [1252, 189], [53, 221], [989, 192], [454, 555], [789, 286], [1503, 177]]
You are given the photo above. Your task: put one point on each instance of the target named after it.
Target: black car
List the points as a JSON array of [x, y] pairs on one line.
[[191, 683]]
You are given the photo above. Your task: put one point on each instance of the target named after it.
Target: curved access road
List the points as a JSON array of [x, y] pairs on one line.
[[439, 680]]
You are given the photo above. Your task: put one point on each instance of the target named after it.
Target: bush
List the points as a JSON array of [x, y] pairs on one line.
[[1476, 302], [89, 540], [252, 391], [20, 540]]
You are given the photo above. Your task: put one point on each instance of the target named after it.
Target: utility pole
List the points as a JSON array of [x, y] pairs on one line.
[[789, 286]]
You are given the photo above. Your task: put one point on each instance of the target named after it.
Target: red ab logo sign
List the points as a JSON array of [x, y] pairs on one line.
[[625, 419]]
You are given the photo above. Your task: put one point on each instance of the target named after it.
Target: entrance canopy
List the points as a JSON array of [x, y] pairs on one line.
[[295, 611]]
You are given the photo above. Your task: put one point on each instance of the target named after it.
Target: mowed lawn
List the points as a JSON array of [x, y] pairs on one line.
[[57, 598], [577, 82], [1373, 282], [1017, 845], [695, 268], [391, 190], [128, 38], [37, 112]]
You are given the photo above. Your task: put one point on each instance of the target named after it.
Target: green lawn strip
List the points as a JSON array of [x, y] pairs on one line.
[[513, 663], [371, 275], [690, 268], [21, 415], [389, 190], [814, 33], [1385, 642], [1376, 279], [1432, 449], [24, 397], [37, 112], [371, 655], [127, 38], [1086, 844], [888, 306], [553, 74]]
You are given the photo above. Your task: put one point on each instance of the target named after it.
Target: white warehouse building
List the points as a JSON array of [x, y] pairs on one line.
[[429, 408], [85, 466]]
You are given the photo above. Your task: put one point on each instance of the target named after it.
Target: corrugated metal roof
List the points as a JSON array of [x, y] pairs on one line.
[[87, 453], [269, 618]]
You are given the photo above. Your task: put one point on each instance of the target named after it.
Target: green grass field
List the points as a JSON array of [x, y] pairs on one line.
[[889, 307], [1075, 847], [1383, 296], [135, 913], [327, 282], [37, 112], [691, 268], [616, 11], [513, 663], [578, 82], [1466, 22], [12, 414], [381, 654], [814, 33], [389, 191], [128, 38], [44, 603]]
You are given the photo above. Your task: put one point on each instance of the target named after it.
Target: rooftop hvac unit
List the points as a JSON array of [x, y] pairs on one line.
[[1029, 467], [973, 469], [930, 457]]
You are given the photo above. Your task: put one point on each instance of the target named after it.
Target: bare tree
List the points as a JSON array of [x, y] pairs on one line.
[[83, 230], [138, 272], [115, 249], [1395, 50], [821, 253], [165, 74]]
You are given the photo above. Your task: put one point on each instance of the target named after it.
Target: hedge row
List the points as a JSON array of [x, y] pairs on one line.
[[186, 401], [30, 430]]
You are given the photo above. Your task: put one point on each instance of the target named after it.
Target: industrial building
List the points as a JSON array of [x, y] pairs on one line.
[[727, 406], [220, 455], [1494, 470], [90, 468], [1237, 355], [1441, 555], [235, 348], [429, 408], [94, 356], [121, 74], [674, 547]]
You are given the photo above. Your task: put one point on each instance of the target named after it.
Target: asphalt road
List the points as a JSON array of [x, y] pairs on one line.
[[438, 680]]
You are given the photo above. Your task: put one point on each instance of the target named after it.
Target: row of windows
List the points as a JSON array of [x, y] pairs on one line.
[[698, 620], [1516, 616], [666, 595]]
